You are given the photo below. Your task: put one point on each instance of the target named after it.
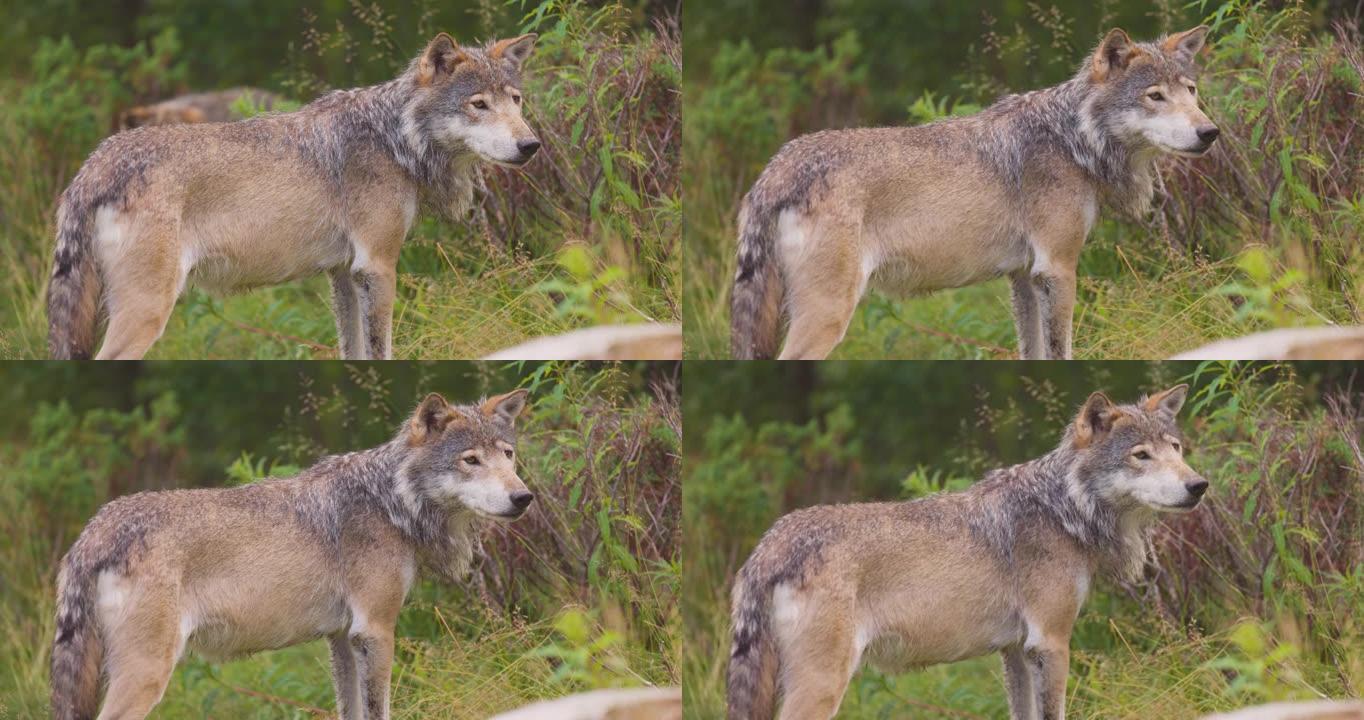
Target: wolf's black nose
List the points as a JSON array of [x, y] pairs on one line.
[[1208, 133], [528, 148], [1197, 487], [521, 498]]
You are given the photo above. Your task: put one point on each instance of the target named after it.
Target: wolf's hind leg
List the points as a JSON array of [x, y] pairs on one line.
[[141, 287], [140, 656], [345, 305], [824, 284], [1018, 680], [817, 665], [1027, 316]]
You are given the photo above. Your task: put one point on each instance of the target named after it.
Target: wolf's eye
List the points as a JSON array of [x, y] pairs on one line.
[[516, 99], [1141, 455], [1177, 447], [1193, 90], [1155, 95], [470, 460], [509, 453], [480, 104]]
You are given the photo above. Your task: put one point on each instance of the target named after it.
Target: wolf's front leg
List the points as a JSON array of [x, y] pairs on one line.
[[373, 650], [377, 287], [349, 701], [1050, 663], [1018, 679], [1055, 290], [346, 307]]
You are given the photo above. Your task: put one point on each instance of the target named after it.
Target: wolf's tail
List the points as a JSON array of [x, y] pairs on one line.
[[77, 652], [756, 299], [753, 662], [73, 293]]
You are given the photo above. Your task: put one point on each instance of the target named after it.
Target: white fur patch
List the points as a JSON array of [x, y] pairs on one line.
[[791, 235], [408, 573], [186, 629], [1081, 588], [1171, 132], [786, 606], [483, 496], [359, 622], [112, 232], [492, 141], [112, 592]]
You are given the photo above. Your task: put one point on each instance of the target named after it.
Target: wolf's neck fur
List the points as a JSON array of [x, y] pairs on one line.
[[1064, 117], [386, 117], [1047, 490], [376, 478]]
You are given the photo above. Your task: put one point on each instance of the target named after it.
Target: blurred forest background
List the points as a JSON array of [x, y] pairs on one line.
[[588, 233], [581, 593], [1261, 233], [1256, 596]]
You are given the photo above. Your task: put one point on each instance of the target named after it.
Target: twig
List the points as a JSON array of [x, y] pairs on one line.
[[327, 350]]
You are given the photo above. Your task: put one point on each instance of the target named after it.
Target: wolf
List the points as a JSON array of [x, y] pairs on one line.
[[1003, 566], [329, 553], [334, 188], [218, 106], [1012, 190]]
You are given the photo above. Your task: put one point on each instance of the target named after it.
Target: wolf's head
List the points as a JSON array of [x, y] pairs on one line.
[[1132, 456], [464, 456], [1147, 92], [470, 98]]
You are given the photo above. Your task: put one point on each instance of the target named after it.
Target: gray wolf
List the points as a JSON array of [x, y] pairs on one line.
[[1003, 566], [1012, 190], [333, 188], [329, 553], [218, 106]]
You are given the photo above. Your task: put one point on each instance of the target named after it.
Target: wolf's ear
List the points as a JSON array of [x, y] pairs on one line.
[[439, 59], [505, 408], [514, 49], [431, 417], [1185, 46], [1167, 403], [1096, 418], [1114, 54]]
